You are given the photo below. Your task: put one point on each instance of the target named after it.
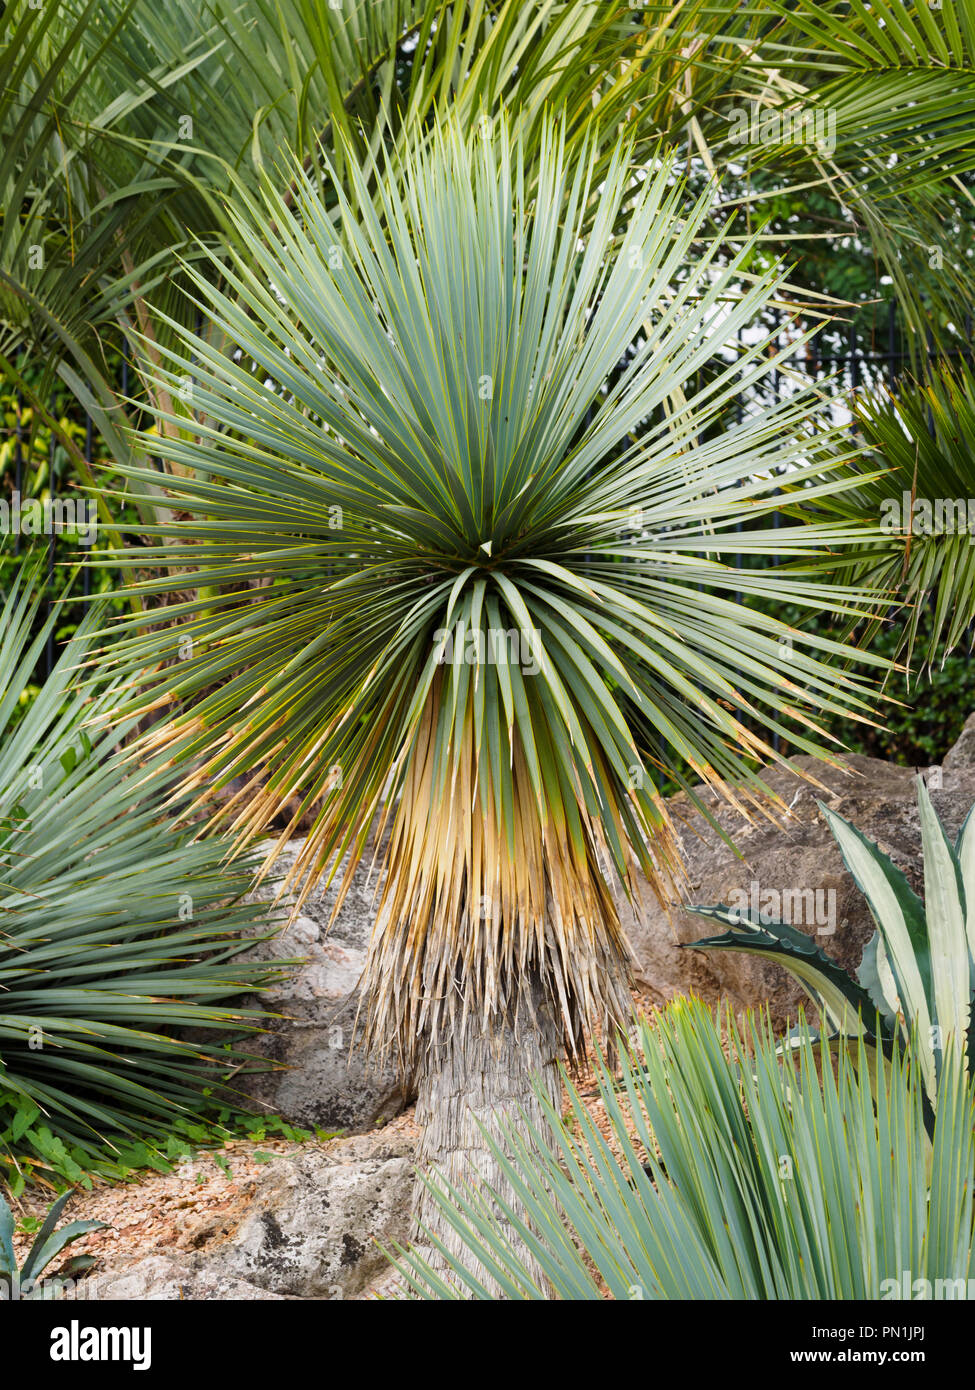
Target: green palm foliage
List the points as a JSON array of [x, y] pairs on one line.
[[917, 976], [116, 930], [895, 83], [923, 436], [121, 124], [101, 169], [457, 577], [732, 1173]]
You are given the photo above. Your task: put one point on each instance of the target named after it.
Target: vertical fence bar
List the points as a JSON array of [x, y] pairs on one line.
[[852, 359], [52, 493], [86, 572]]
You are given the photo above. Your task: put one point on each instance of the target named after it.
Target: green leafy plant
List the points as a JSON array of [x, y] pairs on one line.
[[466, 579], [919, 480], [30, 1151], [929, 709], [917, 975], [304, 74], [731, 1172], [47, 452], [118, 931], [28, 1282]]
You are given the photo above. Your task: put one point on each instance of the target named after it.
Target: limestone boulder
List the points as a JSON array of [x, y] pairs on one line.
[[315, 1221], [166, 1277], [326, 1080]]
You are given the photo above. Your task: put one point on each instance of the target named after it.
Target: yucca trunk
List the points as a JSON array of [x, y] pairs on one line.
[[475, 1077]]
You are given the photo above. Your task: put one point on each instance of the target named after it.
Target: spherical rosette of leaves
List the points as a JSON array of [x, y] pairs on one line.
[[465, 572]]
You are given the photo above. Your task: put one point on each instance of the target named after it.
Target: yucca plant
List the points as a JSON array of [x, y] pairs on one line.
[[462, 584], [117, 929], [730, 1171], [917, 976], [27, 1281]]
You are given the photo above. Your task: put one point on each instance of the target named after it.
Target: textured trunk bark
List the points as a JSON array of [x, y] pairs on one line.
[[480, 1075]]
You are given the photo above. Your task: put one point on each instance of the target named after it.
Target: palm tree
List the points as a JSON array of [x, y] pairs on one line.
[[917, 477], [467, 578]]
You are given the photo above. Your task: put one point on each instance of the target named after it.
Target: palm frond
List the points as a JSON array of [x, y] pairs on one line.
[[917, 484]]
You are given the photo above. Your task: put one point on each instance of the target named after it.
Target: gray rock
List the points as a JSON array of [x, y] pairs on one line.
[[161, 1277], [879, 798], [962, 754], [328, 1081], [311, 1225]]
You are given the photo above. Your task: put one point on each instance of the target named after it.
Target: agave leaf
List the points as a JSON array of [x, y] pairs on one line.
[[7, 1263], [877, 978], [899, 915], [918, 964], [945, 906], [965, 852], [44, 1251], [848, 1007], [50, 1221]]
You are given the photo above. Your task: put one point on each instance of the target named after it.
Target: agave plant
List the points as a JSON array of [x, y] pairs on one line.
[[729, 1172], [464, 582], [27, 1281], [118, 930], [917, 975]]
